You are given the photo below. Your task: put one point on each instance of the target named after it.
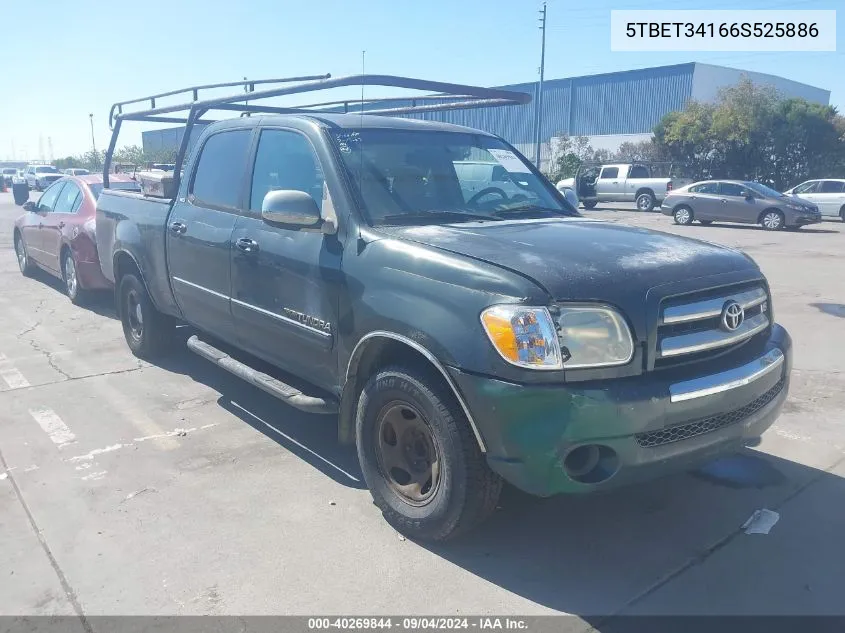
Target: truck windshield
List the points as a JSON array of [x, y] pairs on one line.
[[46, 170], [425, 177]]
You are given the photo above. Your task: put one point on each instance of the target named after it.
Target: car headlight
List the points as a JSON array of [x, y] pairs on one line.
[[523, 336], [593, 336], [796, 207]]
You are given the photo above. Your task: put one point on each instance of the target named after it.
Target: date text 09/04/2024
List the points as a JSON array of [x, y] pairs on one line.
[[416, 623], [725, 29]]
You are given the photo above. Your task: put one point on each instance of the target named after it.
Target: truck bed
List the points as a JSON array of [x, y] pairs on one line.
[[133, 224]]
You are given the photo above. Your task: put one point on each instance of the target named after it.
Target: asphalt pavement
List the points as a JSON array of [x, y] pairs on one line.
[[133, 489]]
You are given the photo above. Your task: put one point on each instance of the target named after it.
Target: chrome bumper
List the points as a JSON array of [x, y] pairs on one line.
[[727, 380]]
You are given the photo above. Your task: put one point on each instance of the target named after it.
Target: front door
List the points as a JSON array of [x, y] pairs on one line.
[[199, 232], [59, 223], [737, 203], [285, 280], [34, 236], [609, 186], [705, 202]]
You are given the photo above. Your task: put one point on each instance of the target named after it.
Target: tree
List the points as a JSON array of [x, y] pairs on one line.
[[752, 133]]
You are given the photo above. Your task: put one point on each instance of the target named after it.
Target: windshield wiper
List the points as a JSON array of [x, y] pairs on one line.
[[402, 218], [530, 208]]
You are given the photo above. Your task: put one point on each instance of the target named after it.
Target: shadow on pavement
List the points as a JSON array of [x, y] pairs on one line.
[[100, 302], [755, 227]]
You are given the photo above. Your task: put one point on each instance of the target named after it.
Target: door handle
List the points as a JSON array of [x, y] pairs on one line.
[[61, 225], [724, 201], [178, 228], [247, 245]]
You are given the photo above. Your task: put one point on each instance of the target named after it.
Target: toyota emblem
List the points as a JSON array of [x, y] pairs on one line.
[[732, 316]]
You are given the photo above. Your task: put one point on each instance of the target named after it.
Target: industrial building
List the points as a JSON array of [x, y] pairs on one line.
[[609, 108]]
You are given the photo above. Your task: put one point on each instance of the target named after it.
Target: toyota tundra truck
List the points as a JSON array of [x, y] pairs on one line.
[[460, 337]]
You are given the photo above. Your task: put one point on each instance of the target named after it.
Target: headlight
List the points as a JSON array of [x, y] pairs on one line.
[[796, 207], [593, 336], [523, 336]]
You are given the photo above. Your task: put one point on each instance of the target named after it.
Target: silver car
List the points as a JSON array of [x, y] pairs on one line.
[[738, 201]]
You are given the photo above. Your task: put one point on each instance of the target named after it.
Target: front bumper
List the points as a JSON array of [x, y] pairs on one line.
[[803, 220], [644, 426]]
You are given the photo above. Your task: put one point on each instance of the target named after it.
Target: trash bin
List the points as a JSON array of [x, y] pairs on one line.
[[20, 192]]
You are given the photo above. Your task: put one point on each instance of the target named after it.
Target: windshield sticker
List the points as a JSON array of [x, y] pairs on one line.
[[509, 161]]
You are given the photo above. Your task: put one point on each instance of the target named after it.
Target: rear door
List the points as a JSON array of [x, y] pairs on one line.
[[831, 197], [737, 203], [609, 184], [199, 231], [60, 222], [284, 280], [34, 235], [704, 200]]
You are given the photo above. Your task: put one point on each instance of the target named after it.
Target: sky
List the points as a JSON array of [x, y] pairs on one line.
[[76, 57]]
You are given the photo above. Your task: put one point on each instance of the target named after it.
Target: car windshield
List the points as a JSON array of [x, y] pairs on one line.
[[97, 187], [425, 177], [49, 169], [764, 190]]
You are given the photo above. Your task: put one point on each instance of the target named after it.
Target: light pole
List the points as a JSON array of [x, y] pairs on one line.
[[538, 108], [93, 144]]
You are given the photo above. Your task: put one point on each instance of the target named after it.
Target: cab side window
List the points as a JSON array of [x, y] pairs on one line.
[[47, 201], [639, 171], [609, 172], [806, 187], [285, 160], [69, 200], [218, 177]]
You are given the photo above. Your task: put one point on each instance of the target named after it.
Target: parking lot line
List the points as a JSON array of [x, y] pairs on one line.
[[53, 426], [10, 374]]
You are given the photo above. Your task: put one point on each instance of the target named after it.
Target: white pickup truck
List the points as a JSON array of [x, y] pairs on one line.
[[623, 182]]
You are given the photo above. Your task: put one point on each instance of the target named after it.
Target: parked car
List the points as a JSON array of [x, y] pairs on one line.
[[569, 194], [39, 177], [476, 176], [623, 182], [57, 233], [7, 174], [76, 171], [460, 341], [738, 201], [828, 195]]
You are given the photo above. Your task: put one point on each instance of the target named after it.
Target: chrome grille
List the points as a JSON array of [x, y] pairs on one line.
[[690, 327], [707, 425]]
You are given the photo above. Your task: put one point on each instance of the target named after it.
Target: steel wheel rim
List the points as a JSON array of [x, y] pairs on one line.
[[134, 314], [408, 454], [642, 203], [21, 253], [70, 276], [682, 216], [771, 220]]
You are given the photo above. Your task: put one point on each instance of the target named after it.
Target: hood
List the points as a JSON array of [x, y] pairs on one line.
[[581, 259]]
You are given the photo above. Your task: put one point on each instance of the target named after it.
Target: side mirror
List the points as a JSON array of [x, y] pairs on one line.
[[29, 205], [291, 208]]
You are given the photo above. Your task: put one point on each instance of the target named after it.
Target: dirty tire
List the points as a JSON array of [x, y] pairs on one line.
[[70, 276], [646, 201], [148, 332], [683, 215], [772, 220], [466, 491], [24, 263], [589, 204]]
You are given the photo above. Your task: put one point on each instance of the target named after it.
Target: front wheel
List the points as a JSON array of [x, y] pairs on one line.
[[772, 220], [646, 201], [683, 216], [24, 263], [419, 456], [148, 332]]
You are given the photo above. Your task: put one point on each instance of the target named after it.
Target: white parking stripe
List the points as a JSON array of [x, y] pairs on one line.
[[10, 374], [53, 426]]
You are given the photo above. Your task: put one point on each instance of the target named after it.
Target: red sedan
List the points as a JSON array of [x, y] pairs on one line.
[[57, 233]]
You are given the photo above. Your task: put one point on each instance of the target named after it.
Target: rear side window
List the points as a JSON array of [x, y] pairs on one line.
[[48, 200], [609, 172], [639, 171], [217, 180], [707, 187], [832, 186], [806, 187], [285, 160], [69, 200]]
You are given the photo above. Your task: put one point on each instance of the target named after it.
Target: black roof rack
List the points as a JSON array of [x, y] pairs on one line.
[[446, 96]]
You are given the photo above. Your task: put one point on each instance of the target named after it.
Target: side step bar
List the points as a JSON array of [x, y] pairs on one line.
[[276, 388]]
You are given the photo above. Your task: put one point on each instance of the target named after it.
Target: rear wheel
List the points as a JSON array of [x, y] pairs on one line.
[[148, 332], [74, 292], [646, 201], [24, 263], [683, 215], [772, 220], [589, 204], [419, 456]]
